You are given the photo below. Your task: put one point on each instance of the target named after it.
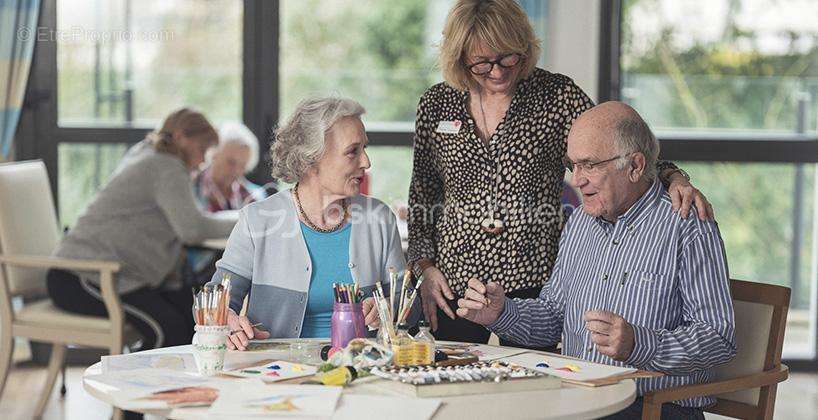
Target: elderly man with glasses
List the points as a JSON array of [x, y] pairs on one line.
[[634, 284]]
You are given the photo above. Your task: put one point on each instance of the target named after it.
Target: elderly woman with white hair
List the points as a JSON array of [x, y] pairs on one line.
[[287, 250], [222, 185]]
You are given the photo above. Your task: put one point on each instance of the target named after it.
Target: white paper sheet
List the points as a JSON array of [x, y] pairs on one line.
[[138, 383], [171, 361], [561, 367], [147, 403], [274, 371], [255, 398], [357, 407]]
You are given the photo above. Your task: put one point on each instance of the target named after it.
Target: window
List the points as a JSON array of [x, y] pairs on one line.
[[715, 66], [380, 53], [129, 63], [765, 214], [84, 169], [733, 98]]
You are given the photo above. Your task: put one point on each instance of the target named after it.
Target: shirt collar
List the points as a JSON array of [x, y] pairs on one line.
[[647, 201]]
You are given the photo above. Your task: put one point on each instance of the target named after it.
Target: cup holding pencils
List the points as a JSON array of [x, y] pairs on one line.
[[347, 320]]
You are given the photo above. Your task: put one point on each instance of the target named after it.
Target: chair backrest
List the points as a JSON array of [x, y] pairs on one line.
[[28, 222], [761, 318]]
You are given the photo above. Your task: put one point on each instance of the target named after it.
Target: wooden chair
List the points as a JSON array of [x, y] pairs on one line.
[[745, 387], [28, 235]]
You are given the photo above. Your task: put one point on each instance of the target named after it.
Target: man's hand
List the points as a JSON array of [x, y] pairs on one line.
[[432, 292], [482, 303], [610, 332], [245, 333]]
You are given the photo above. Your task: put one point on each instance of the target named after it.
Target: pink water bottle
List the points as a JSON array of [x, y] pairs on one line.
[[347, 323]]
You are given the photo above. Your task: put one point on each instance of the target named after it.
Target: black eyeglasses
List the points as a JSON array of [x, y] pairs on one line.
[[587, 166], [485, 67]]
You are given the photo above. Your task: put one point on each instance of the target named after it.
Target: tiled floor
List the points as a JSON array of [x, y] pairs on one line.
[[797, 398]]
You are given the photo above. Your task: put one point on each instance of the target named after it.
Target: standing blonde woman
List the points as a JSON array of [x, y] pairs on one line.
[[140, 219], [488, 169]]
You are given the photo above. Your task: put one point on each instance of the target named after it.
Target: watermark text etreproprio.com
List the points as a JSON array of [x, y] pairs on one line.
[[79, 34]]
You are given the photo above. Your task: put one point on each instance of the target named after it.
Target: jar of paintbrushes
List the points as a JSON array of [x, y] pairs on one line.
[[393, 311], [210, 307], [347, 320]]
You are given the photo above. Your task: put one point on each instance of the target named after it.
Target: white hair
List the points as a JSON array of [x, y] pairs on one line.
[[633, 135], [300, 142], [238, 133]]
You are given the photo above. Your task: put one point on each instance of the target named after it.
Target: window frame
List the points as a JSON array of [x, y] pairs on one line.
[[797, 148]]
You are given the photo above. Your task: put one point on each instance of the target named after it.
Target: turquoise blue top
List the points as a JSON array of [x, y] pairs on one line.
[[329, 254]]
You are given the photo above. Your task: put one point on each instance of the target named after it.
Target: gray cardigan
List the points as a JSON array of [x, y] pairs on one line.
[[140, 219], [266, 256]]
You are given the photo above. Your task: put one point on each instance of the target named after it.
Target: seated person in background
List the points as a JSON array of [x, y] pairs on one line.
[[634, 284], [222, 185], [287, 250], [140, 219]]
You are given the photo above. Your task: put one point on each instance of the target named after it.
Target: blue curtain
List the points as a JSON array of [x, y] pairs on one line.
[[18, 31]]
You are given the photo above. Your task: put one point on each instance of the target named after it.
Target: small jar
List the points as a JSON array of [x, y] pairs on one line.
[[347, 323]]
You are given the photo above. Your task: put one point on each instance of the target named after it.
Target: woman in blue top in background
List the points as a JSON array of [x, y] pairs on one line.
[[287, 250]]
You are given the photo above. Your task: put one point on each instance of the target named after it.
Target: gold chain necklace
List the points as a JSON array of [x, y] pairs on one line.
[[310, 223]]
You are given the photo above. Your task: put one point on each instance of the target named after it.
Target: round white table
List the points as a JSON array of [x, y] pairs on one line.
[[567, 402]]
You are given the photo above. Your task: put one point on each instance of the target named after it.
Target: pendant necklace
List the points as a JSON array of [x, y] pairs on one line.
[[491, 224]]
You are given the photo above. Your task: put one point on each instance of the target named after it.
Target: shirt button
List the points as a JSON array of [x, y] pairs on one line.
[[307, 268], [351, 265], [604, 277], [590, 349], [615, 242], [301, 299]]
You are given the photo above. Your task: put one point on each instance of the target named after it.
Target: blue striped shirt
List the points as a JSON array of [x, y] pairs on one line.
[[665, 275]]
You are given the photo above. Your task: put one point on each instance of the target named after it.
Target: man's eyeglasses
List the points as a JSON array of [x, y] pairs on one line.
[[587, 166], [485, 67]]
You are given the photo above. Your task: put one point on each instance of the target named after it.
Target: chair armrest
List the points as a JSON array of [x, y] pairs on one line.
[[767, 377], [40, 261], [106, 270]]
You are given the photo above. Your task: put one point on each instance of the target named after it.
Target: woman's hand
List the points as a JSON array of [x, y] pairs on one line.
[[683, 194], [371, 317], [245, 333], [432, 292]]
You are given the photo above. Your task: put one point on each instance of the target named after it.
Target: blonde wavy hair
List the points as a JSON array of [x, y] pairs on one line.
[[501, 24], [190, 122]]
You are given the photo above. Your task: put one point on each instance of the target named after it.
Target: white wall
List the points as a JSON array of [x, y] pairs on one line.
[[572, 44]]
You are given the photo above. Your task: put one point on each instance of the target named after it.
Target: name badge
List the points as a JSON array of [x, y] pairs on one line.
[[449, 127]]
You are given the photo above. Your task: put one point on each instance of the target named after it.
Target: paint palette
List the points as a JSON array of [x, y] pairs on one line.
[[274, 371]]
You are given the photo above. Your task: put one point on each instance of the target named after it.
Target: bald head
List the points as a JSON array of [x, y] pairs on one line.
[[606, 116], [616, 127], [618, 152]]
